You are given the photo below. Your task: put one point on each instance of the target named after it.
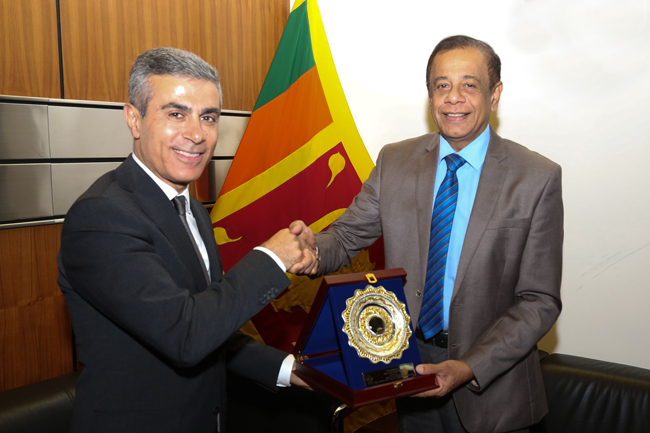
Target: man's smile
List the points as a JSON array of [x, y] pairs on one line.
[[188, 154]]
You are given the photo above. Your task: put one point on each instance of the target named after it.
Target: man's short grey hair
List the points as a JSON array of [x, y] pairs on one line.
[[166, 61]]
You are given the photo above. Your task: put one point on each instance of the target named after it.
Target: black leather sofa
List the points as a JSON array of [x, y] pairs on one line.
[[589, 396], [584, 395]]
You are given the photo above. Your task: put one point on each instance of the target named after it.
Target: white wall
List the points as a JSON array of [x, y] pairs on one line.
[[576, 80]]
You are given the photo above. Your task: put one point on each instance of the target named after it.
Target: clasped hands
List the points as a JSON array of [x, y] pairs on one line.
[[296, 247]]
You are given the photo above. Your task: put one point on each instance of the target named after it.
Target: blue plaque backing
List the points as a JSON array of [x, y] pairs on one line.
[[326, 359]]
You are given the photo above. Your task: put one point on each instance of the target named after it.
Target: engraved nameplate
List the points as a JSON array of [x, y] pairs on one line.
[[390, 374]]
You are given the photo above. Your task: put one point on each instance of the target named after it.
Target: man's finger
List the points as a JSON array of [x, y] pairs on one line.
[[306, 263], [429, 393], [297, 227], [312, 268], [425, 369]]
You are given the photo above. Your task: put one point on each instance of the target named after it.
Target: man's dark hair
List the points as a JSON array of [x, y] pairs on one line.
[[460, 42], [166, 61]]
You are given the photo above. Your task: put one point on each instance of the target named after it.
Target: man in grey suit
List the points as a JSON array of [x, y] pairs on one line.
[[155, 318], [499, 252]]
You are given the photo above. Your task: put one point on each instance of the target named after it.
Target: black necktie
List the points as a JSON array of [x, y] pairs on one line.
[[180, 205]]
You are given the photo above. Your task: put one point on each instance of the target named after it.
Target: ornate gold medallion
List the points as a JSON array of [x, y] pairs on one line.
[[377, 324]]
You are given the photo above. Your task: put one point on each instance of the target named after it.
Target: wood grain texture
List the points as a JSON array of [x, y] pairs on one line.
[[29, 47], [35, 330], [101, 40]]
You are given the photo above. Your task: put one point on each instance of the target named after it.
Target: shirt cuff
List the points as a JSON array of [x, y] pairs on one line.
[[273, 256], [284, 377]]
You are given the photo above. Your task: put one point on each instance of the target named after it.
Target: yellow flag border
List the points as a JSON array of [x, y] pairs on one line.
[[334, 95]]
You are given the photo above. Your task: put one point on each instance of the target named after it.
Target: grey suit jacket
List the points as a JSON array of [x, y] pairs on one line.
[[153, 337], [507, 290]]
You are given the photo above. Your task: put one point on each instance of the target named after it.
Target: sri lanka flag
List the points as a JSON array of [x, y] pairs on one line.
[[301, 157]]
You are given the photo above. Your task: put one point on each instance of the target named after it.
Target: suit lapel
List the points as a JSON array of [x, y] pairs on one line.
[[489, 187], [425, 185], [160, 210]]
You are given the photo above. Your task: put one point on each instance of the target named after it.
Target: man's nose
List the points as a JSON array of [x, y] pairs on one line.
[[194, 131], [455, 95]]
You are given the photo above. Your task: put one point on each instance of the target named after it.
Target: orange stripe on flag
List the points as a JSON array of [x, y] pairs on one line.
[[279, 128]]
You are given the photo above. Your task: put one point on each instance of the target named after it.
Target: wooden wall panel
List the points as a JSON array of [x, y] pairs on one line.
[[29, 45], [101, 40], [35, 330]]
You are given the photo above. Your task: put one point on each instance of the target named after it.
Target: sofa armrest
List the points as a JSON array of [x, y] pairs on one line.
[[44, 406]]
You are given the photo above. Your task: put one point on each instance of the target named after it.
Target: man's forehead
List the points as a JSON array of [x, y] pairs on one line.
[[169, 90], [469, 62], [468, 55], [171, 78]]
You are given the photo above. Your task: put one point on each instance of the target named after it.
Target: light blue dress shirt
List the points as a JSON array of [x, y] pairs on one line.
[[468, 176]]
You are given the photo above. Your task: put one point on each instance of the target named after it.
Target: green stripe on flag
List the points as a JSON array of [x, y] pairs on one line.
[[293, 57]]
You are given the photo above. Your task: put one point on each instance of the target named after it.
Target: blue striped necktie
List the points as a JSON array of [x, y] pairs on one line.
[[431, 315]]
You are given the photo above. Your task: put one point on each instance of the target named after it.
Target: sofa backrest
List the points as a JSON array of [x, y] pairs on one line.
[[589, 396]]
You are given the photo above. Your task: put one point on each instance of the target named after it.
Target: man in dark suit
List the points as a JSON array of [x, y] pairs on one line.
[[156, 321], [483, 259]]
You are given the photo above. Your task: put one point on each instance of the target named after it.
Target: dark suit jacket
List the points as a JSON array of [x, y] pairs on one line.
[[507, 290], [153, 338]]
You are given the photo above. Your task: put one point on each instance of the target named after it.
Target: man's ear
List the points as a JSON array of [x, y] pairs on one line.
[[133, 119], [496, 95]]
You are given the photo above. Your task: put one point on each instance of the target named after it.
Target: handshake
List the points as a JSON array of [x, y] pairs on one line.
[[296, 248]]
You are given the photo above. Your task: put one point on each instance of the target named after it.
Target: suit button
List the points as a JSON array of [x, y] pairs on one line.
[[418, 293]]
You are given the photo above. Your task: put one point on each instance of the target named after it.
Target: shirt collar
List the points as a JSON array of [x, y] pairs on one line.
[[474, 153], [169, 191]]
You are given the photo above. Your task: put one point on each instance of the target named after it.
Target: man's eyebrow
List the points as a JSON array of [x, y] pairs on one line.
[[471, 77], [464, 77], [211, 110], [185, 108], [177, 106]]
